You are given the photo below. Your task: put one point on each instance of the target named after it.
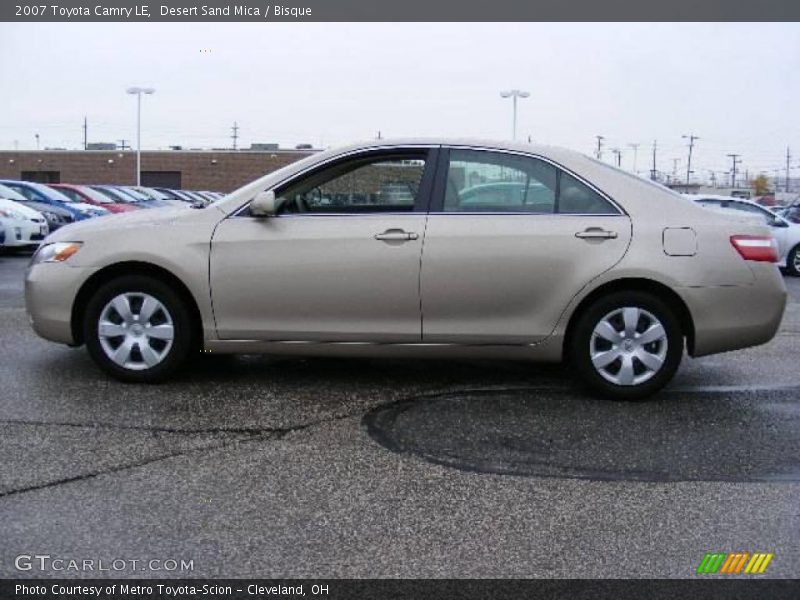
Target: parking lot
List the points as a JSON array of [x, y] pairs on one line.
[[258, 467]]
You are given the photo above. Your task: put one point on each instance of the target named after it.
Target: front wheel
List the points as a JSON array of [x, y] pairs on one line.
[[137, 329], [627, 346]]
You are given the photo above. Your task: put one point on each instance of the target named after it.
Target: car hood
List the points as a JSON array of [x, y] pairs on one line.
[[29, 212], [87, 208], [145, 220]]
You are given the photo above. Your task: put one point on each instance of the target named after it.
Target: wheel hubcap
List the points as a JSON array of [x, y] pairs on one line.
[[628, 346], [135, 331]]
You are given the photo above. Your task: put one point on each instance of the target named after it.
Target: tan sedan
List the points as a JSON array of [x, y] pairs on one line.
[[424, 249]]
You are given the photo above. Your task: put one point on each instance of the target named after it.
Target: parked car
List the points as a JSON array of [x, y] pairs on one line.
[[616, 274], [141, 196], [54, 217], [23, 227], [171, 194], [84, 193], [117, 195], [156, 196], [785, 232], [39, 192]]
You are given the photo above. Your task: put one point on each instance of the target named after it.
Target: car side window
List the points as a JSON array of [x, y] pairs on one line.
[[376, 184], [481, 181], [575, 197], [769, 218]]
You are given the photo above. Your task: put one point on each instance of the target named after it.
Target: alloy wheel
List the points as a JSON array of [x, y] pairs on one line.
[[628, 346], [135, 331]]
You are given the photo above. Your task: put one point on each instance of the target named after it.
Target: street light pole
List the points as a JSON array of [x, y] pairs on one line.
[[138, 91], [514, 94]]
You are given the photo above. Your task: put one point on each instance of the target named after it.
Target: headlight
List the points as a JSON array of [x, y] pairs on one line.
[[57, 252], [12, 214]]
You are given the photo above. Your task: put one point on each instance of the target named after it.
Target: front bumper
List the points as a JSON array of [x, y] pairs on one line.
[[20, 234], [734, 317], [50, 291]]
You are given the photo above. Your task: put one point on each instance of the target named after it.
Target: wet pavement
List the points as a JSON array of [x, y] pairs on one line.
[[252, 466]]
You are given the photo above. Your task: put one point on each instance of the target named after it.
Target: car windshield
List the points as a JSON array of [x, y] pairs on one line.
[[116, 195], [9, 194], [95, 195], [51, 193], [134, 194]]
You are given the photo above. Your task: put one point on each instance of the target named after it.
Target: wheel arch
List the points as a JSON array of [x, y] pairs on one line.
[[106, 274], [658, 289]]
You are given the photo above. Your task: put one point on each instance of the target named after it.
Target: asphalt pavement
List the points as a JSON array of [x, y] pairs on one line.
[[259, 467]]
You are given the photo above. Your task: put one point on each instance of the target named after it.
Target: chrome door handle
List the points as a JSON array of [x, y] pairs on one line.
[[595, 233], [396, 235]]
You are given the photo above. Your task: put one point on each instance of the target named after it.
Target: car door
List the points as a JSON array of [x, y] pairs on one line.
[[339, 262], [511, 239]]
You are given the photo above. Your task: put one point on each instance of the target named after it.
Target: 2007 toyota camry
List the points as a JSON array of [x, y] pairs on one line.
[[418, 248]]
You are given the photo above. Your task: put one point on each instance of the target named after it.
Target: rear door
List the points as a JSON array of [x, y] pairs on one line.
[[511, 239]]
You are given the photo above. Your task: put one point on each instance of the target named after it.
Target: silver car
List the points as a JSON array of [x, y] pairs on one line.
[[786, 233], [582, 262]]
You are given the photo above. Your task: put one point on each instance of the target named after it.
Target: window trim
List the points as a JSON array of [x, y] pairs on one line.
[[421, 204], [438, 192]]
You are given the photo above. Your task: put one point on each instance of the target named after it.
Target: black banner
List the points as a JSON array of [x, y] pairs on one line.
[[397, 589]]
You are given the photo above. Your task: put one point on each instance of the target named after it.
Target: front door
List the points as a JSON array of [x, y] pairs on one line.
[[511, 239], [339, 262]]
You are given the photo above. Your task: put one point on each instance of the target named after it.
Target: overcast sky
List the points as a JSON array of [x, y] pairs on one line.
[[736, 86]]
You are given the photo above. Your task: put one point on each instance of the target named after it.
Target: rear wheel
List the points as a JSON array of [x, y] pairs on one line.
[[627, 346], [793, 261], [137, 329]]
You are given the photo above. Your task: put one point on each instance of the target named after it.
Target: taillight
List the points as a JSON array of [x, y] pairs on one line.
[[760, 248]]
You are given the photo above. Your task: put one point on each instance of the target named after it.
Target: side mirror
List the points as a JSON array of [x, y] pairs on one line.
[[264, 204]]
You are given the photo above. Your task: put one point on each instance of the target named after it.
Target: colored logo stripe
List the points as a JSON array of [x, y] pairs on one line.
[[720, 562]]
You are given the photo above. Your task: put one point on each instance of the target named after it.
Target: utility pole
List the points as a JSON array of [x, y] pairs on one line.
[[379, 135], [675, 162], [788, 157], [736, 158], [235, 135], [37, 140], [618, 153], [599, 152], [123, 145], [713, 179], [635, 154], [691, 139], [85, 133], [653, 170]]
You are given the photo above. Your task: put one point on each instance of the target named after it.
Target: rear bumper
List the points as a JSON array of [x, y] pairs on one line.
[[734, 317], [50, 291]]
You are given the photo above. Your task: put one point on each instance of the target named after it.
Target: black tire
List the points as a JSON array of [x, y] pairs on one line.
[[792, 262], [581, 340], [184, 340]]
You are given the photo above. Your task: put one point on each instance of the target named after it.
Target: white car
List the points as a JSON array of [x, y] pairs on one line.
[[24, 226], [786, 233]]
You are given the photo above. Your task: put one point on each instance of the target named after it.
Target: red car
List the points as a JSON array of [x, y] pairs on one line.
[[83, 193]]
